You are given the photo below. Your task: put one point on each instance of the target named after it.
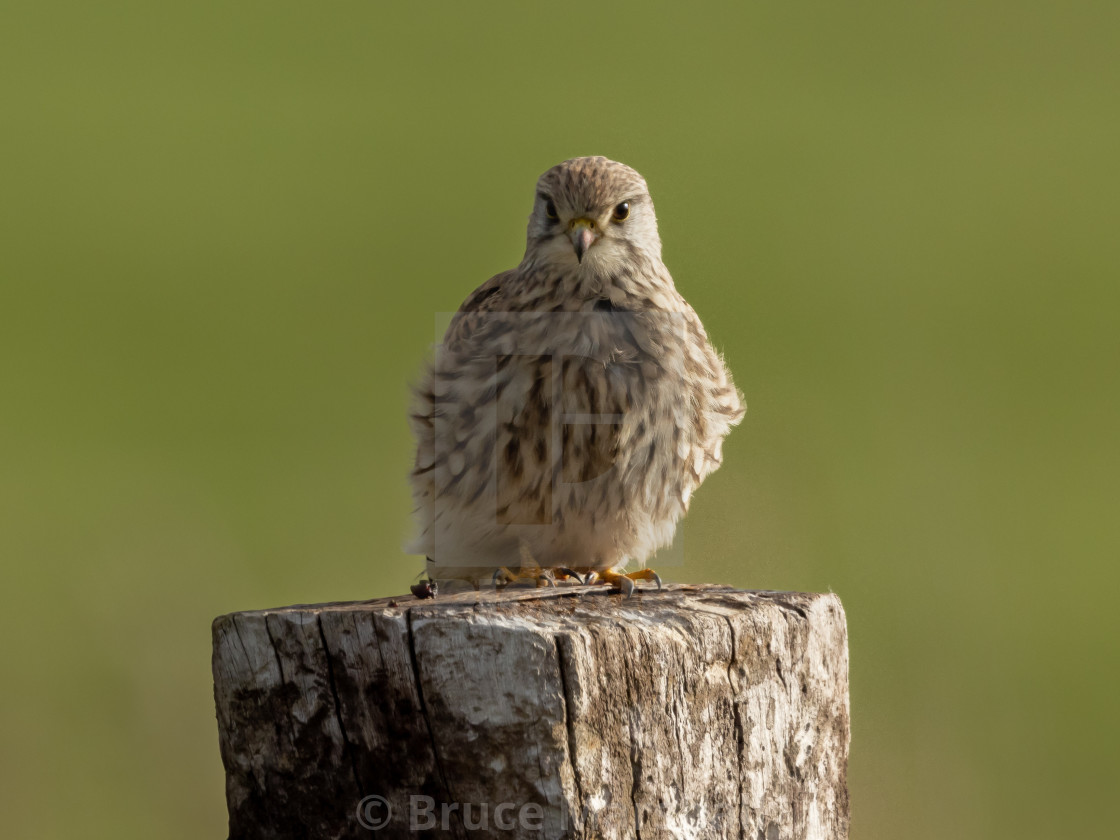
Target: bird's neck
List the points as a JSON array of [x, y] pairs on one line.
[[640, 282]]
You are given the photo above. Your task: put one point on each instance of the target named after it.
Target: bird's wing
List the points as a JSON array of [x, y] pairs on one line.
[[433, 398], [720, 405], [472, 320]]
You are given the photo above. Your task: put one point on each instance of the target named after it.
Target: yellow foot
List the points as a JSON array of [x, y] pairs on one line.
[[503, 577], [531, 570], [625, 583]]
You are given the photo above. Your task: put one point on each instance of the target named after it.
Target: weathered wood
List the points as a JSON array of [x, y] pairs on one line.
[[699, 711]]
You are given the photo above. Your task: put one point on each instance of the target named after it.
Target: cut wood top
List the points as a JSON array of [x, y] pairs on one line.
[[565, 600]]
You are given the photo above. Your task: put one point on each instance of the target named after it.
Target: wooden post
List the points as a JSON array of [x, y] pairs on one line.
[[695, 712]]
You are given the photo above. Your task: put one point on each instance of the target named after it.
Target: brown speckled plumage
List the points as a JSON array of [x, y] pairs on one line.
[[574, 405]]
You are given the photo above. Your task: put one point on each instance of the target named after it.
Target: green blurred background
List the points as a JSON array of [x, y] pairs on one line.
[[226, 230]]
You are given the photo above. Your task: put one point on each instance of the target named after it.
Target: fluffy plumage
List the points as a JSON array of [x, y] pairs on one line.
[[575, 403]]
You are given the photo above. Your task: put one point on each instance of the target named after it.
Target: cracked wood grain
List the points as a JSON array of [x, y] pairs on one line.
[[697, 712]]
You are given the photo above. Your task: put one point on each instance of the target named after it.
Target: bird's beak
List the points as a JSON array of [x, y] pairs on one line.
[[583, 234]]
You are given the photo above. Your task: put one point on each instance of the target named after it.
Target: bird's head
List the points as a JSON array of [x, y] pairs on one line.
[[594, 214]]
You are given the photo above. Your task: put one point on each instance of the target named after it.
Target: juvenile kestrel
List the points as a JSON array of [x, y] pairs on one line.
[[575, 403]]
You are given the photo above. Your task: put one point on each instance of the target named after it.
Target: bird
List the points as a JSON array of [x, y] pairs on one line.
[[575, 402]]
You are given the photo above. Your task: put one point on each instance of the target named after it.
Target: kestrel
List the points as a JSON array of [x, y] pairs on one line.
[[575, 403]]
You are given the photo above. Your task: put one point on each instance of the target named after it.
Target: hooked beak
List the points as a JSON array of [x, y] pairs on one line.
[[583, 234]]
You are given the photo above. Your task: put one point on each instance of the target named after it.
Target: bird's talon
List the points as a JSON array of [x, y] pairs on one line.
[[568, 573], [626, 583]]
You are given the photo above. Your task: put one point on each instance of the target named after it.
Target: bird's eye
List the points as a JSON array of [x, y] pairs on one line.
[[550, 209], [621, 212]]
